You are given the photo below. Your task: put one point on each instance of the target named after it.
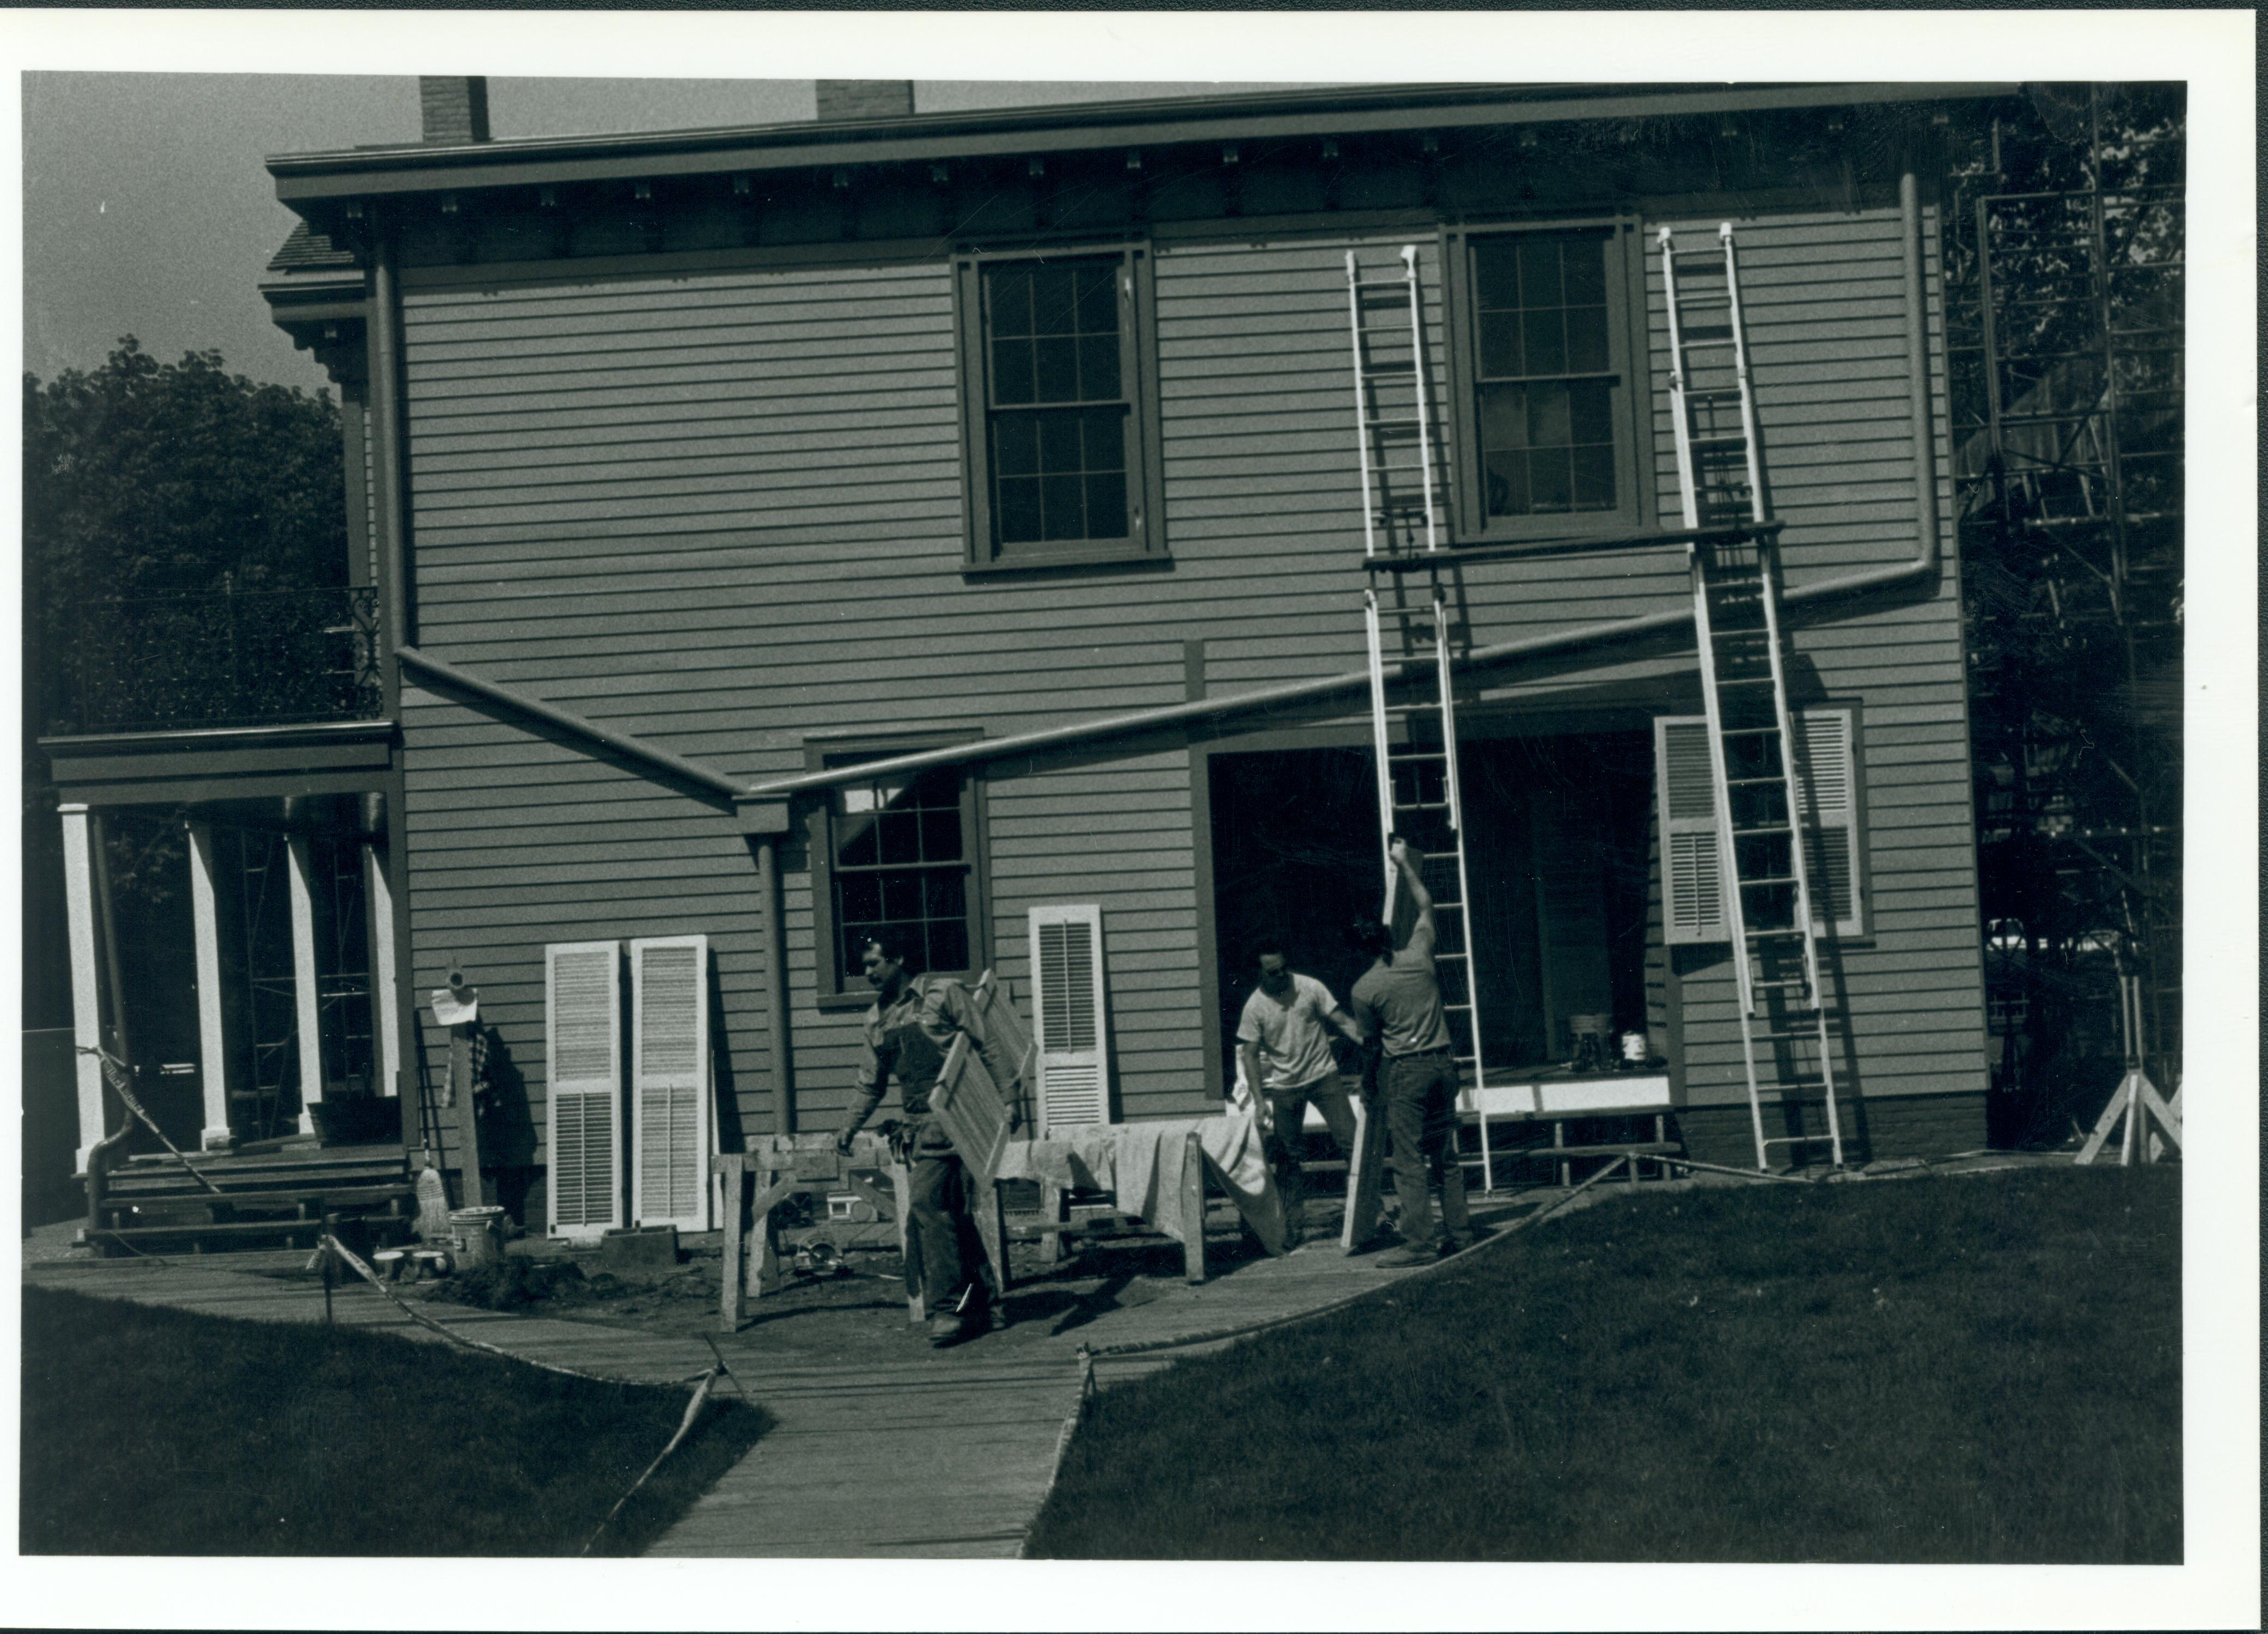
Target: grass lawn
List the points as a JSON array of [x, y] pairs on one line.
[[1953, 1369], [152, 1431]]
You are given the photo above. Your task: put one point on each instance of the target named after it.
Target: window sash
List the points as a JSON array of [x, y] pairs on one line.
[[1039, 470], [1571, 502], [835, 829]]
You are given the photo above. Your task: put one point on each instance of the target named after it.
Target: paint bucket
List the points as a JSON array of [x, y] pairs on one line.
[[478, 1235]]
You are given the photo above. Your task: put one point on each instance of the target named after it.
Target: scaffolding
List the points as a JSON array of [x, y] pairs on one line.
[[2064, 250]]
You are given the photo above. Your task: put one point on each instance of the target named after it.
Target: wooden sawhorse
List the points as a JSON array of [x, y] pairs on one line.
[[782, 1165]]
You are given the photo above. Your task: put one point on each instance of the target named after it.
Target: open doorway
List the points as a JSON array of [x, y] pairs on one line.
[[1557, 847]]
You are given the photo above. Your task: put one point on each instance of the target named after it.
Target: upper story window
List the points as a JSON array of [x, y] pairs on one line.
[[1547, 367], [1059, 411]]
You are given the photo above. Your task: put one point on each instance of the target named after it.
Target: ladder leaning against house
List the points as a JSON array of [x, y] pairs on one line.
[[1419, 796], [1769, 910]]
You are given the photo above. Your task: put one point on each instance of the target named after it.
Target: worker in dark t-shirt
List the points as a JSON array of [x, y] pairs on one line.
[[907, 1035], [1398, 1001]]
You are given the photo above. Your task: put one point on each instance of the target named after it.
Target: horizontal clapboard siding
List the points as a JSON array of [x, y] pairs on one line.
[[704, 509]]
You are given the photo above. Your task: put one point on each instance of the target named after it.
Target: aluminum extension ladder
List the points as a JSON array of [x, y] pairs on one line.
[[1419, 795], [1752, 769]]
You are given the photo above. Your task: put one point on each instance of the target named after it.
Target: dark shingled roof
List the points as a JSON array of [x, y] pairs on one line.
[[308, 249]]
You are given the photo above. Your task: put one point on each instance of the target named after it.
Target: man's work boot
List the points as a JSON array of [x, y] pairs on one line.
[[1402, 1259], [967, 1317]]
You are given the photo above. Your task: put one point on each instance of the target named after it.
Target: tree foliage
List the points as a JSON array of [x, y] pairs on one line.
[[143, 478]]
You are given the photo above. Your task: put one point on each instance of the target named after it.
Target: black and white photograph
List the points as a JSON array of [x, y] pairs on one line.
[[1361, 819]]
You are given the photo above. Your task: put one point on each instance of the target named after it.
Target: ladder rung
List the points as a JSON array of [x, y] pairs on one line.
[[1750, 731], [1753, 783], [1765, 827], [1798, 1140], [1745, 681], [1417, 755], [1776, 934], [1758, 881], [1775, 985]]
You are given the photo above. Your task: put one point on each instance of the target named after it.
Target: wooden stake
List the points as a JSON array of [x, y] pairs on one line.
[[1193, 1196]]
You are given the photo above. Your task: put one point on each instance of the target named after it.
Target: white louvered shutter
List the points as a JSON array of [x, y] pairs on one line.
[[671, 1122], [583, 1061], [1068, 1018], [1826, 762], [1692, 867], [1827, 788]]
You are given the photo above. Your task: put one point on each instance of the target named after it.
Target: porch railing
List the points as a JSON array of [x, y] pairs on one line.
[[226, 658]]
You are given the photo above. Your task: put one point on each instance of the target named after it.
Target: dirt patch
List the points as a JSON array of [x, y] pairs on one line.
[[853, 1316]]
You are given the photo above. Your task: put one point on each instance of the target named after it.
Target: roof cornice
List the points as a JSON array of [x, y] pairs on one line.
[[313, 178]]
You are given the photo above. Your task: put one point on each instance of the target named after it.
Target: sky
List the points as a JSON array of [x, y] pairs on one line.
[[148, 210]]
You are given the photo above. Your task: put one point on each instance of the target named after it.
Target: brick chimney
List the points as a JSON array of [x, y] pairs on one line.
[[453, 111], [864, 99]]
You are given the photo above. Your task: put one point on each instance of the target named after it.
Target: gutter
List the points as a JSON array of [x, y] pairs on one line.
[[304, 180], [646, 755], [1923, 566]]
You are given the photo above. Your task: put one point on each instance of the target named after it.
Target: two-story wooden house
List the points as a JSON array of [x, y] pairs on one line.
[[956, 524]]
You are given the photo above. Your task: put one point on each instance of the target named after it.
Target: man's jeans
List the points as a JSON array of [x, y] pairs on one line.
[[940, 1215], [1421, 1096], [1288, 1110]]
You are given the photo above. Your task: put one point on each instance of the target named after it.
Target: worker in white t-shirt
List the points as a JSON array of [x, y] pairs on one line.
[[1284, 1045]]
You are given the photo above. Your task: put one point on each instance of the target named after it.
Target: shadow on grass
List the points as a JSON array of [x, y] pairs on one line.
[[1943, 1369], [152, 1431]]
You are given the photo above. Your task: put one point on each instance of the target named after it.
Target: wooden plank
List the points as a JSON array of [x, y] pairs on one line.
[[1368, 1176]]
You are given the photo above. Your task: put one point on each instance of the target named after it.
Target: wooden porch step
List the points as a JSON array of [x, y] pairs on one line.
[[317, 1202], [245, 1186], [192, 1228]]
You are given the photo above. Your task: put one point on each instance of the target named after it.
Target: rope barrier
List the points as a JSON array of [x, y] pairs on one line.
[[704, 1381], [1220, 1335], [113, 1073], [1719, 1168], [354, 1262], [684, 1425]]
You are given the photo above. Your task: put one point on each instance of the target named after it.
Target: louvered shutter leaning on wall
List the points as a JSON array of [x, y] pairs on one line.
[[1827, 771], [583, 1083], [1069, 1019], [1692, 894], [672, 1120], [1692, 871]]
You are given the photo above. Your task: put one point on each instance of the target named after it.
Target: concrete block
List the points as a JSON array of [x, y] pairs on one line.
[[636, 1250]]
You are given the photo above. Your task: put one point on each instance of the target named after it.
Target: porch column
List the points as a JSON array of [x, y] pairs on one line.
[[308, 1010], [380, 912], [212, 1042], [378, 909], [86, 998]]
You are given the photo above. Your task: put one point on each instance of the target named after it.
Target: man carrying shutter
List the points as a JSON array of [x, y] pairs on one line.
[[907, 1035], [1398, 1001]]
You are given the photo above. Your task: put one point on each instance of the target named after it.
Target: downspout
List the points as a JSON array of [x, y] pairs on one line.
[[1922, 567], [775, 957], [385, 422]]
